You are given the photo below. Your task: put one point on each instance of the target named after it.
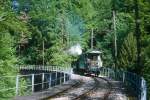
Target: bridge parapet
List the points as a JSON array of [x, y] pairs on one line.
[[66, 69]]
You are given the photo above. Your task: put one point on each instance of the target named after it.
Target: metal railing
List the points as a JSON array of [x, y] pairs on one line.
[[132, 80], [66, 69], [42, 81], [27, 84]]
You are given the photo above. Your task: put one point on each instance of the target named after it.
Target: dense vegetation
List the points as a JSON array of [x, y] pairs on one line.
[[39, 32]]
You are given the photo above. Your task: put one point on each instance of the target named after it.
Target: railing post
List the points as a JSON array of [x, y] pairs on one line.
[[123, 76], [42, 81], [64, 77], [103, 72], [99, 71], [108, 73], [32, 82], [17, 84], [71, 71], [143, 90], [60, 78], [50, 80], [56, 79]]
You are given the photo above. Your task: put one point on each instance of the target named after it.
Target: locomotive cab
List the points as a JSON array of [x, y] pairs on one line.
[[94, 62], [89, 62]]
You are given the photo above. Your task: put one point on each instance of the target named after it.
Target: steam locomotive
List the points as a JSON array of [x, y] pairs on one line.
[[88, 63]]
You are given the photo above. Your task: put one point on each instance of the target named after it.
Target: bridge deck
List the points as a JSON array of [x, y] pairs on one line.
[[47, 93], [117, 91]]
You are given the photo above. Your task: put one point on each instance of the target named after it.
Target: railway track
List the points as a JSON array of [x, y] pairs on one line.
[[91, 94], [79, 82], [84, 95], [86, 91]]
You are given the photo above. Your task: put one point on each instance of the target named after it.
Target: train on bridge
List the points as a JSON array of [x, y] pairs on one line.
[[88, 63]]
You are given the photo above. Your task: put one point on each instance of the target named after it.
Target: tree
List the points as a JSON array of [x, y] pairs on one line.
[[7, 61], [10, 25]]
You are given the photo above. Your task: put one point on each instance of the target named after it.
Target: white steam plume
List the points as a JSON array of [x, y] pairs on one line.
[[75, 50]]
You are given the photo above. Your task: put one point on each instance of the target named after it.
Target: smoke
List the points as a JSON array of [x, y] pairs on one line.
[[75, 50]]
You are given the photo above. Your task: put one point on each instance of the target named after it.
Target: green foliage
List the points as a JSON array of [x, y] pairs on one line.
[[146, 60], [9, 21], [58, 56], [6, 53], [51, 22], [10, 26], [103, 35], [63, 23], [127, 54], [106, 45], [7, 61]]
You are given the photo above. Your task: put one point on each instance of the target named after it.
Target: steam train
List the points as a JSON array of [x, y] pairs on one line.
[[88, 63]]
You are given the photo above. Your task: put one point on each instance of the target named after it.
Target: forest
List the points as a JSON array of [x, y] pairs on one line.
[[39, 32]]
